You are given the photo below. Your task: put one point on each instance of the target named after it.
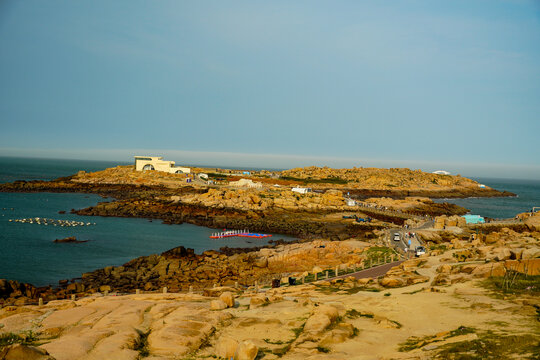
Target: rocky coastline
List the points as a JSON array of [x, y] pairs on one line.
[[305, 225], [124, 191], [458, 193]]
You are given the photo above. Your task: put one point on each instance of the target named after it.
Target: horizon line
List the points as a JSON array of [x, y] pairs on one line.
[[279, 162]]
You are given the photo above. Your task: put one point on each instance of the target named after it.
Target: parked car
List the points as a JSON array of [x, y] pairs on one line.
[[420, 250], [397, 237]]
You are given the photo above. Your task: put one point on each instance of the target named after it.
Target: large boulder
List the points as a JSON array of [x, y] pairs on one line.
[[444, 269], [416, 279], [257, 301], [317, 323], [262, 262], [218, 304], [410, 264], [441, 280], [341, 333], [492, 238], [439, 222], [246, 351], [502, 254], [104, 288], [392, 282], [226, 347], [489, 269], [531, 253], [469, 268], [530, 267], [228, 298], [516, 254]]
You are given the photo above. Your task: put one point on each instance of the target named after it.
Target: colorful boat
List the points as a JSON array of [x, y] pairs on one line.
[[238, 233]]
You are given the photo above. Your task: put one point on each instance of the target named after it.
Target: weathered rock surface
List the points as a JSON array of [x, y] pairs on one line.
[[228, 298], [24, 352], [226, 347]]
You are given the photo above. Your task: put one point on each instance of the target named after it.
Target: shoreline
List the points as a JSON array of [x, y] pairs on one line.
[[64, 185]]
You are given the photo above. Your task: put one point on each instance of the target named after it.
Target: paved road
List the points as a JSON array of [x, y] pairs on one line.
[[403, 243], [373, 272]]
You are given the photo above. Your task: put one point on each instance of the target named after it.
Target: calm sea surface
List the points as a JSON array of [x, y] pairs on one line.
[[527, 191], [28, 253]]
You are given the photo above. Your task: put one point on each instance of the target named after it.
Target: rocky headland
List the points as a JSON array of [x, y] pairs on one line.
[[394, 182]]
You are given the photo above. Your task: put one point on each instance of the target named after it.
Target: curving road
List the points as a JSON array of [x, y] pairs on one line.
[[373, 272]]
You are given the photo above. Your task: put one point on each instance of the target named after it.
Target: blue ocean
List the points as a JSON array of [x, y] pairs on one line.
[[28, 253], [527, 191]]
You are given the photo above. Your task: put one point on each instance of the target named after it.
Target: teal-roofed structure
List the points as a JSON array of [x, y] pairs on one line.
[[474, 219]]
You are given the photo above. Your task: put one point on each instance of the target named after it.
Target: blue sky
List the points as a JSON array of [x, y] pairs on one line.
[[420, 84]]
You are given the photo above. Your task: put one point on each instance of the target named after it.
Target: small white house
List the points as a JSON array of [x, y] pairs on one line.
[[441, 172], [351, 202], [158, 164], [301, 190]]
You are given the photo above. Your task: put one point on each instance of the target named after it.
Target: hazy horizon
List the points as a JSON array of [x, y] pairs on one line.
[[431, 84], [281, 162]]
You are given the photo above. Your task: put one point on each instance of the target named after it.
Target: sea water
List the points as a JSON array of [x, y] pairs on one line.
[[527, 196], [28, 252]]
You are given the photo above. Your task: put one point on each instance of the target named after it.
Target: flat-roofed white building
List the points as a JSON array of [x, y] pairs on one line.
[[301, 190], [157, 163]]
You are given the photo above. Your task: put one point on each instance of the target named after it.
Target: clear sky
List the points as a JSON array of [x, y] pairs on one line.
[[423, 84]]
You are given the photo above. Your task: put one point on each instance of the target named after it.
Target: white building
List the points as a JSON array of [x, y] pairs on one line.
[[157, 163], [301, 190], [441, 172]]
